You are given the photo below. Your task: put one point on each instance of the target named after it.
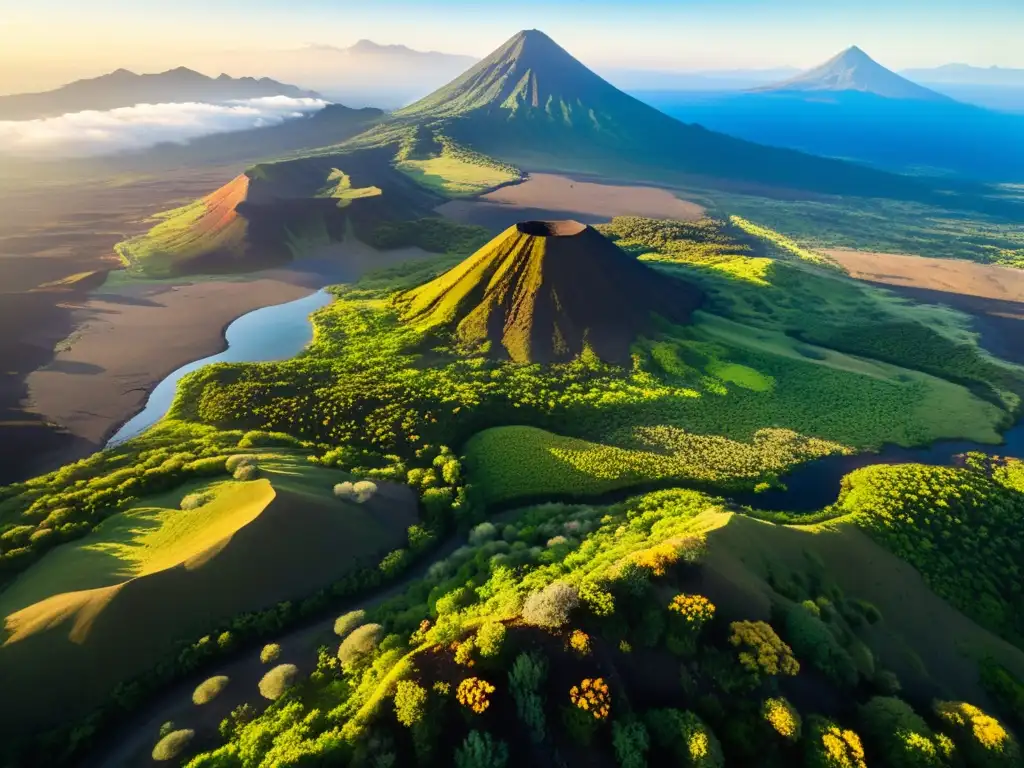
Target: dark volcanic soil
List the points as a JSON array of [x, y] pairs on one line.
[[50, 230]]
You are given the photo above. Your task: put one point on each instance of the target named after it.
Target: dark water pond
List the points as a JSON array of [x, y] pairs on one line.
[[815, 484], [267, 333]]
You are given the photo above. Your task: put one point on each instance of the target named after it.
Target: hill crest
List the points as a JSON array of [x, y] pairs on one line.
[[853, 70], [550, 291]]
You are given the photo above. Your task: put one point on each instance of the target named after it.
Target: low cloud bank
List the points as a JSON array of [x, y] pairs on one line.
[[83, 134]]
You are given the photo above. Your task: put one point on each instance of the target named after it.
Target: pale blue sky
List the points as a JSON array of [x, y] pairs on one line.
[[52, 38]]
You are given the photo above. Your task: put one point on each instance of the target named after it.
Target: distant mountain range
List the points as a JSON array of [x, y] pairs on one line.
[[364, 74], [854, 71], [122, 88], [967, 75], [852, 107]]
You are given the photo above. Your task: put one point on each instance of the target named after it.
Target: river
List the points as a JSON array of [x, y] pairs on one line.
[[277, 332]]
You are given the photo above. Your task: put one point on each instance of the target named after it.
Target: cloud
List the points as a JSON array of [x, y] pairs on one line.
[[81, 134]]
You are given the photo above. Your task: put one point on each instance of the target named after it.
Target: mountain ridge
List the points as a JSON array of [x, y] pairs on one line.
[[124, 88]]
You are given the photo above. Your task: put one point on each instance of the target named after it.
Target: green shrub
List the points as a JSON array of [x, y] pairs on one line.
[[209, 690], [814, 642], [761, 651], [686, 736], [358, 492], [171, 746], [410, 702], [631, 742], [278, 680], [489, 638], [480, 750], [528, 673], [259, 439], [271, 652], [901, 736]]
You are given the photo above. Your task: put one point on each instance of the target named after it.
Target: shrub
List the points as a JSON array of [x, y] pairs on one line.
[[630, 741], [782, 717], [420, 537], [410, 702], [482, 533], [474, 694], [983, 739], [195, 501], [271, 652], [358, 492], [464, 652], [172, 745], [593, 697], [551, 606], [579, 642], [686, 736], [480, 750], [695, 610], [360, 643], [277, 681], [348, 621], [815, 643], [394, 563], [209, 690], [761, 651], [489, 639], [166, 728], [830, 746], [259, 439], [246, 472], [234, 462], [900, 735]]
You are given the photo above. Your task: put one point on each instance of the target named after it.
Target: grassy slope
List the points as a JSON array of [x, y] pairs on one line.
[[147, 588], [455, 177], [929, 644]]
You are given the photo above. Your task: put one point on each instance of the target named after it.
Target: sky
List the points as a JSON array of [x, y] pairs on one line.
[[49, 42]]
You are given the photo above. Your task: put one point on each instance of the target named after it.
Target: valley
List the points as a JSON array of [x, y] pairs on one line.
[[524, 424]]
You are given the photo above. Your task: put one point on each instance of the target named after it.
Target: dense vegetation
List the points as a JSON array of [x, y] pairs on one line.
[[961, 527], [574, 633]]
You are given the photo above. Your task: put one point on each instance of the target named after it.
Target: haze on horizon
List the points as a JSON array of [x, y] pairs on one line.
[[52, 42]]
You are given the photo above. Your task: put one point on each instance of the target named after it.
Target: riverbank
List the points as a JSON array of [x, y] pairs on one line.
[[128, 336]]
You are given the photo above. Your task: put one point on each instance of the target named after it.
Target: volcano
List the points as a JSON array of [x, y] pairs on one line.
[[532, 104], [853, 70], [547, 291]]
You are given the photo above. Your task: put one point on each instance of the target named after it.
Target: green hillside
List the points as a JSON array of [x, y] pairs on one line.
[[102, 609]]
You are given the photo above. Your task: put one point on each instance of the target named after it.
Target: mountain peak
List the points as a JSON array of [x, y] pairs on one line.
[[854, 70]]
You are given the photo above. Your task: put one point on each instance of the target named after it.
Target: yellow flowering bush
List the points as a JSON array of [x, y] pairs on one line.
[[831, 746], [782, 717], [593, 696], [579, 641], [475, 694], [696, 610], [983, 738]]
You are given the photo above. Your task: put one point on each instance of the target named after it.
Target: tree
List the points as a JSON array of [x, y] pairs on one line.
[[172, 745], [686, 736], [902, 736], [782, 717], [551, 606], [475, 694], [278, 680], [814, 642], [983, 739], [761, 651], [347, 622], [410, 702], [830, 746], [631, 742], [360, 644], [480, 750], [271, 652], [489, 639]]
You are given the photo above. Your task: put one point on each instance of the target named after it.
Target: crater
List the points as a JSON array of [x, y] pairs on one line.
[[566, 228]]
